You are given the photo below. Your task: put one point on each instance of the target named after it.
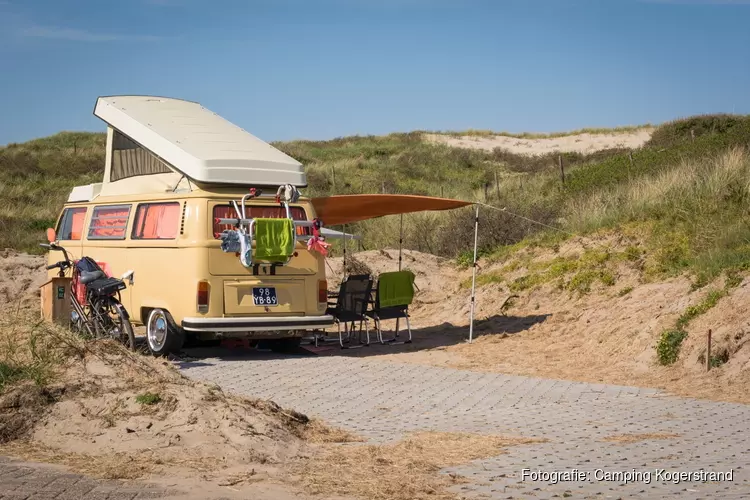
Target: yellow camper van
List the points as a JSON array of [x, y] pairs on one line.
[[182, 189]]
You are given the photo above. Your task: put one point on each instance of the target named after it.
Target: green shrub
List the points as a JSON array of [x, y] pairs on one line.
[[692, 312], [625, 291], [668, 348], [148, 398]]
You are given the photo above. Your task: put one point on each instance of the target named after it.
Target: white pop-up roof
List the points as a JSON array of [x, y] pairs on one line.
[[199, 143]]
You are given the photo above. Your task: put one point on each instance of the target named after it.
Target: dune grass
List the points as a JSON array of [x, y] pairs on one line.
[[37, 178]]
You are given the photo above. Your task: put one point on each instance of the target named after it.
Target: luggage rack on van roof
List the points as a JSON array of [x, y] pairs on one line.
[[275, 239]]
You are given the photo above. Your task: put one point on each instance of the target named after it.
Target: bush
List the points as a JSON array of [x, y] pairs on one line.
[[668, 348], [679, 131]]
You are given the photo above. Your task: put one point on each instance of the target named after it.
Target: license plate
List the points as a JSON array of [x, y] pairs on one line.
[[264, 296]]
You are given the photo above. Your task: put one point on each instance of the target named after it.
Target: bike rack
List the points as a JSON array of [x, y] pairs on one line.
[[245, 225]]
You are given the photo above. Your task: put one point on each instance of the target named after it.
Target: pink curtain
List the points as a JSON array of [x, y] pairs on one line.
[[157, 221], [109, 222]]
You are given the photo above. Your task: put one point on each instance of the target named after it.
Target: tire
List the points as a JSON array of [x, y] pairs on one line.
[[113, 322], [289, 344], [163, 336], [127, 337]]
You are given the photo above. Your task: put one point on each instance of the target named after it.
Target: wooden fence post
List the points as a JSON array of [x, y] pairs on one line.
[[333, 177], [562, 169], [441, 192], [708, 352], [497, 186]]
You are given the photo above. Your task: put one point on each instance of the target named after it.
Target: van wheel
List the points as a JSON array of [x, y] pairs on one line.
[[162, 333], [289, 344]]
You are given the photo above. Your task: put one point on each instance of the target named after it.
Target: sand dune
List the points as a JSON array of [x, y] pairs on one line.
[[579, 143]]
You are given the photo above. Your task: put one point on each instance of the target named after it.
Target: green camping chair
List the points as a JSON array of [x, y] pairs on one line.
[[394, 294]]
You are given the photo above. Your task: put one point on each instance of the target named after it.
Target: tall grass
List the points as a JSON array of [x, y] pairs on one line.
[[37, 178], [695, 213]]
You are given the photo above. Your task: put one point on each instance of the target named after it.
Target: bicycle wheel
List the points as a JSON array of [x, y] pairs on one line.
[[111, 320]]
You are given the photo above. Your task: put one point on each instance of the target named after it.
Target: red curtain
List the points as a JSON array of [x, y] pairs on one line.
[[260, 212]]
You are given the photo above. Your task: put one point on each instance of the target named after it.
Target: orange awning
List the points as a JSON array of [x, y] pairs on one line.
[[343, 209]]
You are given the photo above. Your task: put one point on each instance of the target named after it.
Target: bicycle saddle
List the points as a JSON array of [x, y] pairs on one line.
[[89, 276]]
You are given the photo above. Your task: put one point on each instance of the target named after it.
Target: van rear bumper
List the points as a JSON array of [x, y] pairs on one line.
[[257, 324]]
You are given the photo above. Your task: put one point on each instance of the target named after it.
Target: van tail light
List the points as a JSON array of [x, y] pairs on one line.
[[322, 291], [204, 291]]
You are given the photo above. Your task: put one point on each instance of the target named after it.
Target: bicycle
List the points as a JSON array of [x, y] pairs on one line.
[[95, 298]]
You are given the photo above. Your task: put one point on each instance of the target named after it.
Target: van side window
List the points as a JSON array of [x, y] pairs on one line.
[[156, 221], [259, 211], [109, 222], [71, 224]]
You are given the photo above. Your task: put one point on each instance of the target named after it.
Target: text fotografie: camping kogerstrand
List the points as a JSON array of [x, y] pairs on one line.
[[628, 476]]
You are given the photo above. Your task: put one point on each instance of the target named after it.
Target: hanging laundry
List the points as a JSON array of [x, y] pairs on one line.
[[246, 249], [317, 244], [230, 241], [289, 193]]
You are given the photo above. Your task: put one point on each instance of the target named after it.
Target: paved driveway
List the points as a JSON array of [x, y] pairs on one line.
[[383, 400]]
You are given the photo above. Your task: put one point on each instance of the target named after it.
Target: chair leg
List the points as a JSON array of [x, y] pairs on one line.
[[394, 340], [379, 329], [367, 330], [341, 338]]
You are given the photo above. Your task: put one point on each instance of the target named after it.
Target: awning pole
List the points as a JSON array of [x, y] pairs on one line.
[[474, 277], [400, 241]]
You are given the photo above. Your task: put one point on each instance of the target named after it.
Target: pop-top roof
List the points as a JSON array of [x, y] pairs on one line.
[[199, 143]]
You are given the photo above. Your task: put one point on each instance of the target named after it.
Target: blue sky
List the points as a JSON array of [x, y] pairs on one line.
[[317, 69]]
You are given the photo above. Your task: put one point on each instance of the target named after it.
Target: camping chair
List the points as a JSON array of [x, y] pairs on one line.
[[393, 296], [351, 306]]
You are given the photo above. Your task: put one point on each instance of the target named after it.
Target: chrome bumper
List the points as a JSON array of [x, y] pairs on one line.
[[257, 324]]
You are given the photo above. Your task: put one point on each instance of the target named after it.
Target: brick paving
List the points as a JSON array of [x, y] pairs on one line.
[[383, 400], [25, 481]]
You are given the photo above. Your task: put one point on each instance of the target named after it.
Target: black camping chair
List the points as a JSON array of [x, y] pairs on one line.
[[351, 306]]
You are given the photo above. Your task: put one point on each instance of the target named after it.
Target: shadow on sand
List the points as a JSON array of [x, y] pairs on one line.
[[432, 337]]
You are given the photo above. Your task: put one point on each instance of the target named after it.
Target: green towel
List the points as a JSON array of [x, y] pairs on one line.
[[395, 288], [274, 239]]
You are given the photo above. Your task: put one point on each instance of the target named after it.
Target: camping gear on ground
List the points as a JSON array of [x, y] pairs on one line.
[[351, 306], [394, 294]]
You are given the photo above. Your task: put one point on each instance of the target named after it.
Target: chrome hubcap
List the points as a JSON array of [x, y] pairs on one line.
[[157, 331]]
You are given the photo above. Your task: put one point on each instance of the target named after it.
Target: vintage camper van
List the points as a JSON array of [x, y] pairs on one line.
[[177, 178]]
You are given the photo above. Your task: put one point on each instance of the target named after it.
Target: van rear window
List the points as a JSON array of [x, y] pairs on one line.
[[258, 211], [156, 221]]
